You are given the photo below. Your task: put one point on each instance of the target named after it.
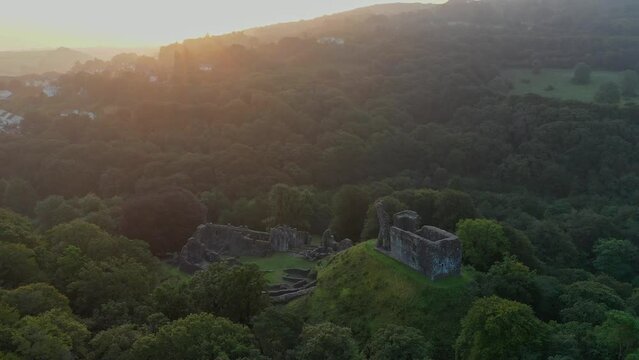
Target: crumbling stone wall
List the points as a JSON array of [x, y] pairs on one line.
[[407, 220], [233, 240], [328, 239], [285, 238], [211, 241], [435, 259], [383, 238], [433, 234], [433, 252]]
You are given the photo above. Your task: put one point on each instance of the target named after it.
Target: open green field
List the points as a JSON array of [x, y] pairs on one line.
[[274, 265], [364, 289], [525, 82]]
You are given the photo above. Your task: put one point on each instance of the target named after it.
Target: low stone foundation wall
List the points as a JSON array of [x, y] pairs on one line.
[[233, 240], [211, 241]]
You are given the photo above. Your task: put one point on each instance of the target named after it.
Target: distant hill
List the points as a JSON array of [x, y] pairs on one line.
[[318, 26], [337, 25], [16, 63], [105, 53], [364, 289]]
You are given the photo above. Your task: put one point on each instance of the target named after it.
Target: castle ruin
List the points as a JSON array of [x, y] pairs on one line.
[[211, 241], [432, 251]]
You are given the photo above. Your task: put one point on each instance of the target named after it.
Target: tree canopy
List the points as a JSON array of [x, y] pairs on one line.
[[582, 74], [495, 328], [484, 242]]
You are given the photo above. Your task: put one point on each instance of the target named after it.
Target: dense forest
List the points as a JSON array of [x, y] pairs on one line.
[[308, 124]]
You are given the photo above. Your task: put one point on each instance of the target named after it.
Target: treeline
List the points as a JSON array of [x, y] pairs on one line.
[[165, 218], [75, 291], [548, 302], [524, 161]]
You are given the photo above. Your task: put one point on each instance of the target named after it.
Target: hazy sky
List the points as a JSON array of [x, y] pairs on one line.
[[26, 24]]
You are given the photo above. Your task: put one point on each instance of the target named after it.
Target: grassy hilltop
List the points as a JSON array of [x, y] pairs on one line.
[[364, 289]]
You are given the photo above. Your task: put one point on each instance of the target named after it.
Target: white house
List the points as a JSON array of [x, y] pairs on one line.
[[330, 40], [36, 83], [82, 113], [50, 90], [9, 121], [206, 67], [5, 94]]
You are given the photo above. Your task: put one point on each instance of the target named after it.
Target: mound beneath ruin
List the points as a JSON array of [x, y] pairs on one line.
[[364, 289]]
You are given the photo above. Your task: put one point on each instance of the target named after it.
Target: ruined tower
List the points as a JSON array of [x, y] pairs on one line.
[[432, 251]]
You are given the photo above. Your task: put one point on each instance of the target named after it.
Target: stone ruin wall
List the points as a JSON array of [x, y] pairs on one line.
[[285, 238], [429, 250], [233, 240], [211, 241], [436, 259]]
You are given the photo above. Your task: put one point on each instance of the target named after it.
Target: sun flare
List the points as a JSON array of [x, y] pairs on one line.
[[125, 23]]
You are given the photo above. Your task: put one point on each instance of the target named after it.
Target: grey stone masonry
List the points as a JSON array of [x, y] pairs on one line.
[[212, 241], [285, 238], [383, 239], [407, 220], [432, 251]]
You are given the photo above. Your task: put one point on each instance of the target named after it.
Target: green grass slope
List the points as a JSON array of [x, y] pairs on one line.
[[364, 289], [275, 264], [560, 81]]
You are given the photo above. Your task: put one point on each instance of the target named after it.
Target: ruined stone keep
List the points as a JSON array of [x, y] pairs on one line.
[[432, 251]]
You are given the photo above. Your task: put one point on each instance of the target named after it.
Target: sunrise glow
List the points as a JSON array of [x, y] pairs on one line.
[[28, 24]]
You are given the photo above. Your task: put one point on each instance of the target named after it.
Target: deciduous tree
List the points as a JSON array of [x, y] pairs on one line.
[[289, 206], [165, 219], [236, 292], [327, 341], [495, 328], [18, 265], [617, 258], [608, 93], [582, 74], [36, 298], [629, 83], [350, 204], [393, 342], [19, 196], [619, 332], [277, 331], [484, 242], [198, 337]]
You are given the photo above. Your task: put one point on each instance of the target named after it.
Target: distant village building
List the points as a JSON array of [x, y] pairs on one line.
[[36, 83], [50, 90], [154, 78], [5, 94], [81, 113], [206, 67], [459, 23], [94, 71], [9, 122], [330, 40]]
